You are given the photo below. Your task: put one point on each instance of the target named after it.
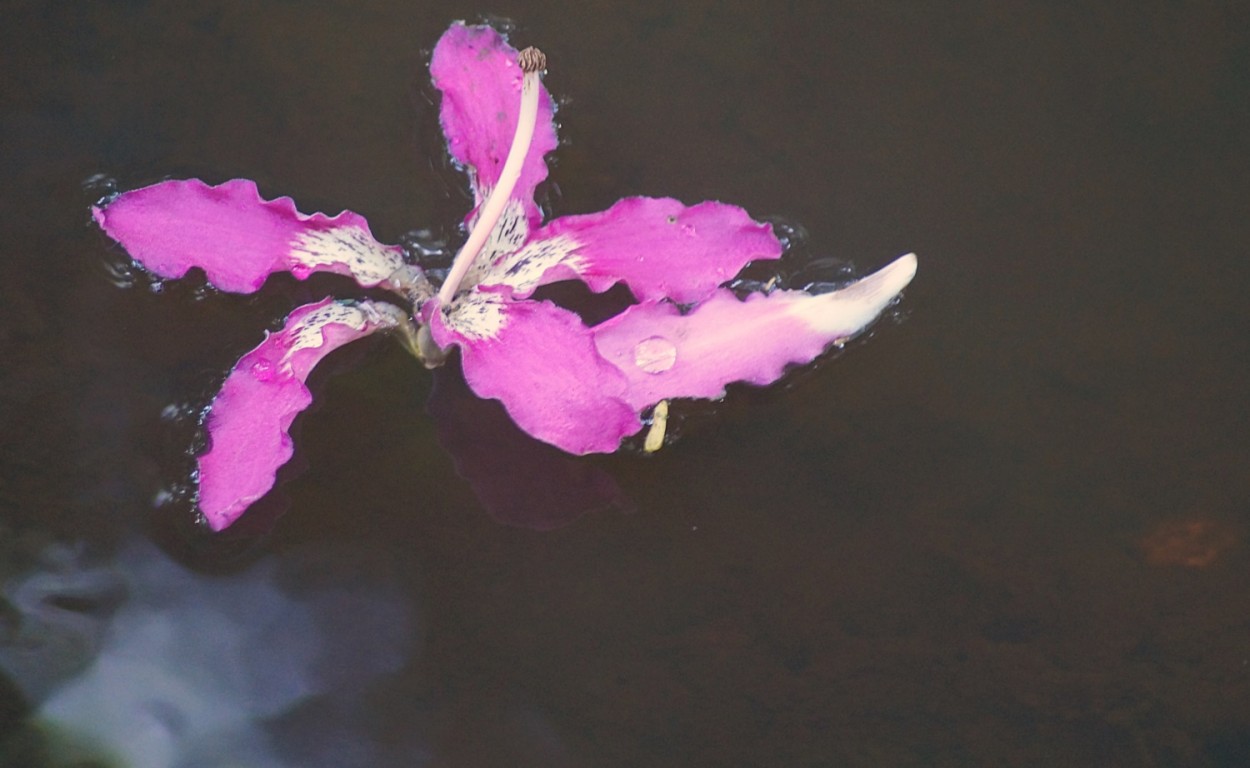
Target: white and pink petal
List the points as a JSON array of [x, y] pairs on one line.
[[508, 236], [477, 72], [659, 247], [249, 420], [666, 354], [540, 361], [238, 238]]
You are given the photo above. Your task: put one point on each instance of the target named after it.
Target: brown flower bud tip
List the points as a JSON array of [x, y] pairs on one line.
[[532, 60]]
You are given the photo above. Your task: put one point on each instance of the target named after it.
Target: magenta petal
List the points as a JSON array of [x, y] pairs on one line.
[[541, 363], [666, 354], [478, 74], [238, 238], [659, 247], [249, 419]]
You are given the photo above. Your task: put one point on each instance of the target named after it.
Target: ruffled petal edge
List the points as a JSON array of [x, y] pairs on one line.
[[238, 238]]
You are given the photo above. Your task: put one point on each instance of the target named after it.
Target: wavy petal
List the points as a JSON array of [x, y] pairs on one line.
[[666, 354], [480, 80], [539, 360], [659, 247], [249, 419], [238, 238]]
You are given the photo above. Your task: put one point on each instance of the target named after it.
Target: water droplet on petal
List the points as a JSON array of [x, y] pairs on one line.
[[263, 370], [655, 355]]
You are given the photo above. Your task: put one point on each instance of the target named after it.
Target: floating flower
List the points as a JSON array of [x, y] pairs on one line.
[[579, 387]]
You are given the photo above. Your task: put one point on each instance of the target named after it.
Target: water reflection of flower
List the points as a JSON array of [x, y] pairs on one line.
[[150, 664], [520, 481]]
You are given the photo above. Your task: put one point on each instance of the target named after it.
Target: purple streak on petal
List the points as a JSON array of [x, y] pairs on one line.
[[666, 354], [540, 361], [249, 419], [659, 247], [478, 74], [238, 238]]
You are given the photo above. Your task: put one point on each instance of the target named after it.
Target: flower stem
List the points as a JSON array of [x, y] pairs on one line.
[[390, 317], [532, 62]]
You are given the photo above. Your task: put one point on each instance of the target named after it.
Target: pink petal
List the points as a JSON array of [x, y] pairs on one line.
[[238, 238], [249, 419], [659, 247], [540, 361], [478, 74], [666, 354]]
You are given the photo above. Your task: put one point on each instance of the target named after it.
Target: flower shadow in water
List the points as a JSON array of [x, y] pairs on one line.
[[519, 481], [522, 482]]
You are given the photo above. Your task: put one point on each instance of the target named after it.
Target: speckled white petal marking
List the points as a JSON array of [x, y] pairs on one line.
[[509, 234], [524, 269], [368, 261], [477, 315], [309, 331]]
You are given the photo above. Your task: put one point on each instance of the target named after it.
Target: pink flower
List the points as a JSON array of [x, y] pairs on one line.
[[580, 388]]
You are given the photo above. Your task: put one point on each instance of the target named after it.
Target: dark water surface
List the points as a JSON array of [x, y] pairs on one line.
[[1010, 529]]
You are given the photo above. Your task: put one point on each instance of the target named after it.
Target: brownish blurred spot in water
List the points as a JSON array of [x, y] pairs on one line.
[[1193, 543]]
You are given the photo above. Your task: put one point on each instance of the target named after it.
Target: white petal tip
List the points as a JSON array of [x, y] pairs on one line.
[[847, 311], [891, 278], [877, 290]]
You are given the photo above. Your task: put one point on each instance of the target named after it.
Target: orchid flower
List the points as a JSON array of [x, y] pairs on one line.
[[578, 387]]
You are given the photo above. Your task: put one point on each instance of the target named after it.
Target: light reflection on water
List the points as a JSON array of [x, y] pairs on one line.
[[143, 662]]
